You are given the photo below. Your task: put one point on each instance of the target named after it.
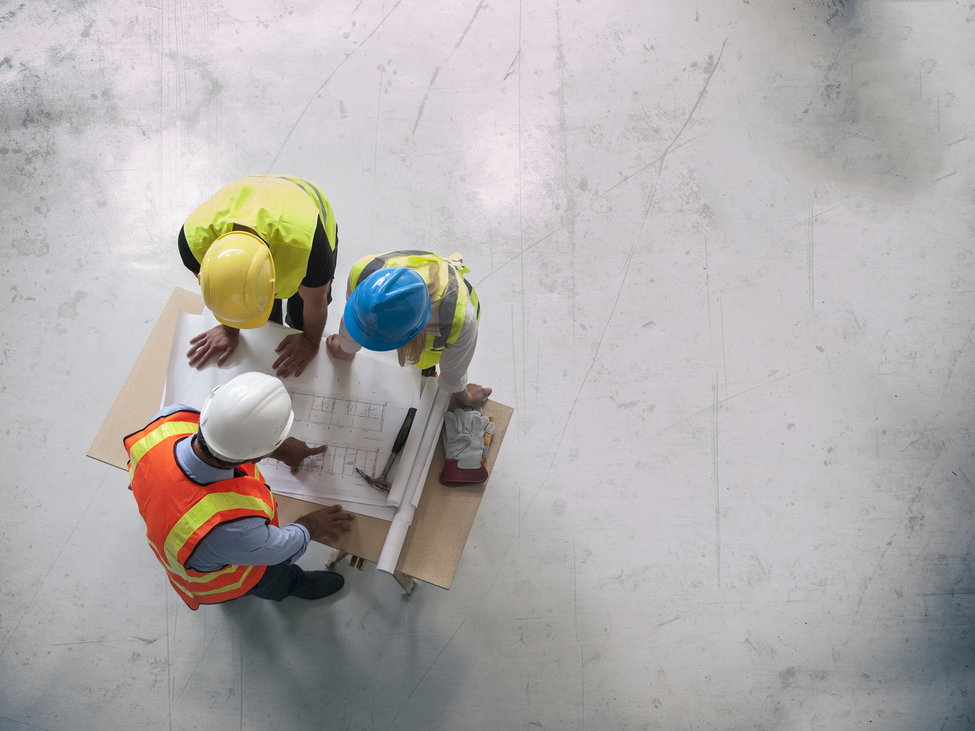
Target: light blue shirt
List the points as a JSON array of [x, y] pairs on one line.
[[246, 542]]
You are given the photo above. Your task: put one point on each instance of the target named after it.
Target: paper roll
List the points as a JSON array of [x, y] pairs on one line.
[[400, 525], [407, 455]]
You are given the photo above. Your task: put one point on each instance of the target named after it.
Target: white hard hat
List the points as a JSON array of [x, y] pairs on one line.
[[246, 418]]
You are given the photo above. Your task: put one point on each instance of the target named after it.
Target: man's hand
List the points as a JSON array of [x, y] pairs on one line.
[[335, 350], [296, 351], [205, 345], [323, 523], [473, 396], [292, 451]]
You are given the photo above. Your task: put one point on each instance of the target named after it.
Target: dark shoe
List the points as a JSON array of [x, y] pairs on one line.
[[318, 584]]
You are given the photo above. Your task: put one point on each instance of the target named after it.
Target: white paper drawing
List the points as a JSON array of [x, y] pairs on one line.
[[355, 408]]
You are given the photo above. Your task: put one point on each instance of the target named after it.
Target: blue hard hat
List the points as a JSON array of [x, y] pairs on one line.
[[388, 309]]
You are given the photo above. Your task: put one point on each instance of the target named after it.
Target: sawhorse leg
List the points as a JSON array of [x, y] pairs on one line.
[[407, 582], [338, 555]]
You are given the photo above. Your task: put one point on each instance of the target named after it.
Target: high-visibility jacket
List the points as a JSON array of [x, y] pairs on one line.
[[282, 209], [452, 294], [179, 513]]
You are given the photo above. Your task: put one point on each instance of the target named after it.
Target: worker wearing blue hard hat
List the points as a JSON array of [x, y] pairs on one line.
[[420, 305]]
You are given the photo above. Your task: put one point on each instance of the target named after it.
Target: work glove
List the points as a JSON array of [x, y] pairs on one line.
[[463, 436]]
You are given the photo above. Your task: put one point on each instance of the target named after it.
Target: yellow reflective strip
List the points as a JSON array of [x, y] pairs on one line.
[[150, 440], [228, 587], [203, 511]]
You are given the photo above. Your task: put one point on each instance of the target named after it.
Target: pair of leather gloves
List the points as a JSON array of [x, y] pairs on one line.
[[465, 439]]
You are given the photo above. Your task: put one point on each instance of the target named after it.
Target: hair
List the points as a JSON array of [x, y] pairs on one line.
[[224, 464], [413, 350]]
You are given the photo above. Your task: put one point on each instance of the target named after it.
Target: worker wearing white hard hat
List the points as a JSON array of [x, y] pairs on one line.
[[420, 305], [259, 241], [210, 519]]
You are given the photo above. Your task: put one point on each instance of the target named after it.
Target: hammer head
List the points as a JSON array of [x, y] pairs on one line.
[[376, 482]]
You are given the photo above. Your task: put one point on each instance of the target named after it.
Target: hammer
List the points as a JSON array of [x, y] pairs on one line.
[[380, 482]]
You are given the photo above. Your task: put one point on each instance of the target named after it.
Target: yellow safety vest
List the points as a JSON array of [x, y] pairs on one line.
[[282, 209], [452, 294]]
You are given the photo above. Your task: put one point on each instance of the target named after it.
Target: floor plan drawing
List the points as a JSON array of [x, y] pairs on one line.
[[337, 460], [338, 411], [354, 408]]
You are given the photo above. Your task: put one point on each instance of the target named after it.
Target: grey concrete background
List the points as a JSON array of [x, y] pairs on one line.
[[724, 252]]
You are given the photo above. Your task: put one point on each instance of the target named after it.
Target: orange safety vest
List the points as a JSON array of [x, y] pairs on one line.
[[179, 513]]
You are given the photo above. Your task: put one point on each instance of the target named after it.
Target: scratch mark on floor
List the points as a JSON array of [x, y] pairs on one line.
[[521, 238], [910, 506], [953, 172], [174, 698], [436, 71], [39, 584], [722, 402], [375, 149], [474, 608], [812, 220], [805, 221], [957, 141], [513, 67], [349, 55], [724, 357], [565, 223], [663, 156], [825, 77], [707, 290], [957, 355], [585, 378], [717, 494], [575, 590]]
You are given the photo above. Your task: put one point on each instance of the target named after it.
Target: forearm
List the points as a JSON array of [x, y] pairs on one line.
[[315, 310]]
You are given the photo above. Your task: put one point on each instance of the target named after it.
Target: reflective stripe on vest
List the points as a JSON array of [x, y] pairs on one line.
[[450, 294], [163, 431], [179, 513], [284, 211]]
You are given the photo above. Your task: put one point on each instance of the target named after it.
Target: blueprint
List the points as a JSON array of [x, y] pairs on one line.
[[355, 408]]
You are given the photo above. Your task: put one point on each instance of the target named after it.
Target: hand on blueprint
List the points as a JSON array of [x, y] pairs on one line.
[[335, 350], [221, 339], [473, 396], [292, 451], [296, 351], [323, 523]]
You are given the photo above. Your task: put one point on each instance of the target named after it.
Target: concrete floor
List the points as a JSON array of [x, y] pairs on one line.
[[724, 253]]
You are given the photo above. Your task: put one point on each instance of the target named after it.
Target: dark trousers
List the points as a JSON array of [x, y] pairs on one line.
[[295, 312], [278, 582]]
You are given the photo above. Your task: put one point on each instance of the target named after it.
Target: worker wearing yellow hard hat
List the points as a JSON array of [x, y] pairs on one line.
[[259, 241]]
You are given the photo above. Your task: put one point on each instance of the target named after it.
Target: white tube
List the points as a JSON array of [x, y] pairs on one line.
[[407, 455], [400, 525], [436, 417]]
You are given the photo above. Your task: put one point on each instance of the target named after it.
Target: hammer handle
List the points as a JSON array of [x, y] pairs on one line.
[[404, 431]]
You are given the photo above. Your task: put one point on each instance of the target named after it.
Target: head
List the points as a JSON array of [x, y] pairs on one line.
[[245, 419], [388, 309], [237, 279]]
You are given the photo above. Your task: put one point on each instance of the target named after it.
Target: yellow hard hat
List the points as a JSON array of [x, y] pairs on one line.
[[237, 279]]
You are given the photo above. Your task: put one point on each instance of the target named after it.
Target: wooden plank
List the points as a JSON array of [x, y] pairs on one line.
[[141, 394]]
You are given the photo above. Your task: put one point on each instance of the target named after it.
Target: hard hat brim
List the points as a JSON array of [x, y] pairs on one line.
[[254, 322], [370, 343]]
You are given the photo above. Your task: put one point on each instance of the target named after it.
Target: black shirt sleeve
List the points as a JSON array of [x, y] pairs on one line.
[[321, 260], [189, 261]]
